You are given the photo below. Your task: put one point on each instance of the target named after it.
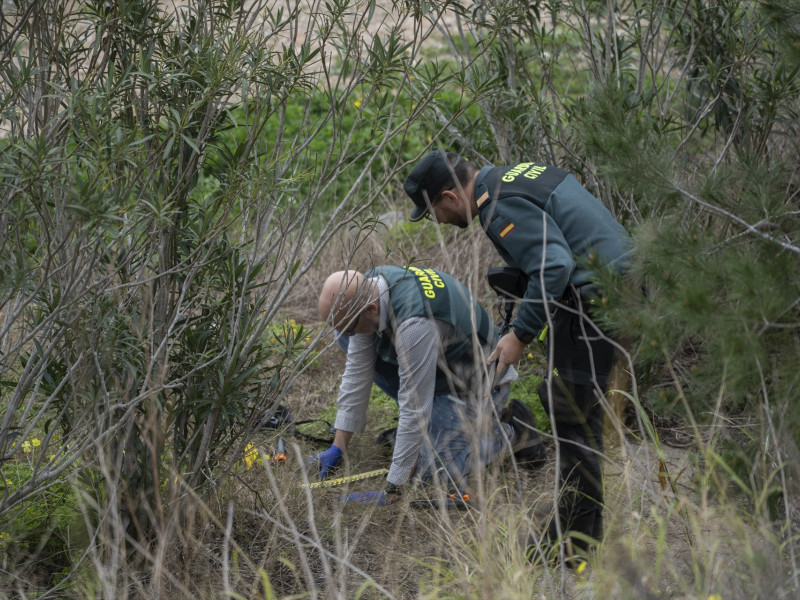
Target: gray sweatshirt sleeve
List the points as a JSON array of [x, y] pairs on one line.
[[359, 373], [417, 343]]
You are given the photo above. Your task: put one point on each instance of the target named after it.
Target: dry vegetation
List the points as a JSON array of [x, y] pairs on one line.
[[671, 532], [152, 513]]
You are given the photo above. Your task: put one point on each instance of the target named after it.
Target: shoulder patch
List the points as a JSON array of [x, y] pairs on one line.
[[506, 230], [484, 197]]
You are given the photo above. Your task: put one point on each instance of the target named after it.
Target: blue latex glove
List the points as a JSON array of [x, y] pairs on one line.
[[375, 497], [325, 461]]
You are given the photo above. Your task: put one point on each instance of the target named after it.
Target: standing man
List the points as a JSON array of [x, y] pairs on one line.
[[542, 221], [424, 339]]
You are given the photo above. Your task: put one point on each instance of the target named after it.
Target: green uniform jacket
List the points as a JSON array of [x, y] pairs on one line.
[[422, 292], [541, 219]]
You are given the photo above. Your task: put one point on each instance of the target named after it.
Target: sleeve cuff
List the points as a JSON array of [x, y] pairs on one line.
[[399, 475], [524, 336], [349, 422]]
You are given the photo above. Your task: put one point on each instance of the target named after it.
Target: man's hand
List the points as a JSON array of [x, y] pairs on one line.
[[507, 352], [325, 461]]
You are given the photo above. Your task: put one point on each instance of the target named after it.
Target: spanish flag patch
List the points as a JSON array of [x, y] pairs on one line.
[[506, 230]]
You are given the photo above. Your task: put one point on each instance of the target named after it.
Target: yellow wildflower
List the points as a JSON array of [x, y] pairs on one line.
[[250, 455], [357, 103], [26, 447], [715, 597], [581, 567], [530, 354], [37, 442]]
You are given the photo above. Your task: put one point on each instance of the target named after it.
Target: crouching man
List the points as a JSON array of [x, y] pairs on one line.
[[423, 338]]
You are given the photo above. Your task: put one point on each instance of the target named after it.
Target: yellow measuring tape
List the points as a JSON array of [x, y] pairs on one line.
[[348, 479]]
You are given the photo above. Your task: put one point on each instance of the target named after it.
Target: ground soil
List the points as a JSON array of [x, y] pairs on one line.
[[396, 545]]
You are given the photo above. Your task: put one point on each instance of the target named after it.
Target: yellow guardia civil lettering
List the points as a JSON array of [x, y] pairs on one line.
[[512, 173], [530, 171], [428, 279], [534, 171]]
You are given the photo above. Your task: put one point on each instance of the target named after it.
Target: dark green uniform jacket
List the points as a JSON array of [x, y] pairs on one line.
[[541, 219], [426, 293]]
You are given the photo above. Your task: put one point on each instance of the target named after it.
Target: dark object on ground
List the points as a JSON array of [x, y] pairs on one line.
[[387, 438], [281, 418], [528, 447]]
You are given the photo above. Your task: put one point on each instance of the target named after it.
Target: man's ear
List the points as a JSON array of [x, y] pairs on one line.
[[446, 198]]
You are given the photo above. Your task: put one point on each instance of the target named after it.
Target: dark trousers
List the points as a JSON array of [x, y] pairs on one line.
[[583, 357]]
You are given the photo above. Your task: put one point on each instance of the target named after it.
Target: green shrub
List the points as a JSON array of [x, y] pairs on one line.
[[45, 532]]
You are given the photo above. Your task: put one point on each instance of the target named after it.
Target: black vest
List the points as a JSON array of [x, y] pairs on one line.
[[531, 181], [426, 293]]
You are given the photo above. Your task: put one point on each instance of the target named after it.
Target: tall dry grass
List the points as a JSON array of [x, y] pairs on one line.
[[674, 528], [684, 520]]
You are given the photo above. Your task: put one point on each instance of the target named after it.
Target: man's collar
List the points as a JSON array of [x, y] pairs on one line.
[[480, 193]]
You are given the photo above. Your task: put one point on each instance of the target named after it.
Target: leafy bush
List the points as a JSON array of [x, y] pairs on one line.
[[43, 531], [163, 169]]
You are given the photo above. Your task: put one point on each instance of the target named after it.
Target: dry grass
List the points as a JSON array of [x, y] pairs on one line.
[[659, 544], [671, 532], [667, 536]]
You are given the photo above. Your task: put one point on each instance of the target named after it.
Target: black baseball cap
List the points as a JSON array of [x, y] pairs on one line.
[[429, 177]]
